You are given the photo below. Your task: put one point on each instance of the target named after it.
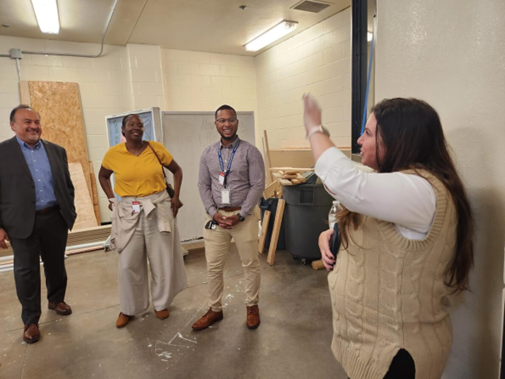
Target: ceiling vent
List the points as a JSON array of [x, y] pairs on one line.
[[310, 6]]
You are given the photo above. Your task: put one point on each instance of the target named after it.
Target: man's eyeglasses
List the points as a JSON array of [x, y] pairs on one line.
[[231, 120]]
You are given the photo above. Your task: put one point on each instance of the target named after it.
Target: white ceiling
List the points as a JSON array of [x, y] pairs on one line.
[[217, 26]]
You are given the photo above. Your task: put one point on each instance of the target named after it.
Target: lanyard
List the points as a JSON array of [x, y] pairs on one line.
[[225, 172]]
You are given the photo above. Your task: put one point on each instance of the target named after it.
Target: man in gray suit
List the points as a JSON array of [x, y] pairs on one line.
[[36, 212]]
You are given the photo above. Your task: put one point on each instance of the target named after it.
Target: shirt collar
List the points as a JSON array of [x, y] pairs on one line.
[[23, 144], [232, 146]]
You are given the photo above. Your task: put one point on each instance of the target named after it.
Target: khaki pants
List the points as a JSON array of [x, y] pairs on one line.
[[163, 250], [217, 246]]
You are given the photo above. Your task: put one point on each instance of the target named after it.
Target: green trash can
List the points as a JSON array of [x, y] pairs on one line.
[[305, 217]]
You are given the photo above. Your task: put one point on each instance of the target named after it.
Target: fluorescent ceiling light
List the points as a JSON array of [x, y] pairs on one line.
[[278, 31], [47, 15]]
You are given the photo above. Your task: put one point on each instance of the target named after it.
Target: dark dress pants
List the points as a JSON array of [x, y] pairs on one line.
[[48, 240]]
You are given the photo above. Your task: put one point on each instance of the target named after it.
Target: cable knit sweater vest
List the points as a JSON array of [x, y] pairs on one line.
[[388, 293]]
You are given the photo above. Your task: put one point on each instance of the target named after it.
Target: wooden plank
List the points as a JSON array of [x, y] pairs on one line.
[[318, 265], [59, 106], [268, 163], [264, 230], [83, 205], [272, 190], [291, 169], [287, 176], [75, 237], [84, 250], [91, 230], [275, 231], [285, 182]]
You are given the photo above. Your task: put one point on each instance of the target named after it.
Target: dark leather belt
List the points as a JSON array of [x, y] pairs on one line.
[[47, 210], [230, 209]]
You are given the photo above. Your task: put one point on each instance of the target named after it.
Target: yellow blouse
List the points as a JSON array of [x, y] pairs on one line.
[[137, 175]]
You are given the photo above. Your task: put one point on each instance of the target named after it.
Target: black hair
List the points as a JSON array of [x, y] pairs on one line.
[[125, 119], [222, 107], [21, 106]]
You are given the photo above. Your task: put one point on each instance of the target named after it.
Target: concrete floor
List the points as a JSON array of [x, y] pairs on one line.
[[293, 340]]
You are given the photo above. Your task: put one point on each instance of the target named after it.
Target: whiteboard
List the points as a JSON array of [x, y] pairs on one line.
[[186, 135]]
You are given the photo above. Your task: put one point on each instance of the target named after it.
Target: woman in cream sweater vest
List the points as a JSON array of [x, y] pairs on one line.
[[406, 233]]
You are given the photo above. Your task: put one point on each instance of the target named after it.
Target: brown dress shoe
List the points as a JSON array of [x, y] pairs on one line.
[[123, 320], [207, 320], [162, 314], [253, 317], [31, 333], [61, 308]]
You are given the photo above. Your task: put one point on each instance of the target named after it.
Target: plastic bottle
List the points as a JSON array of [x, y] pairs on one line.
[[332, 215]]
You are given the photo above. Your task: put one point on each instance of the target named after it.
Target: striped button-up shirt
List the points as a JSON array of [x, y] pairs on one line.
[[246, 179]]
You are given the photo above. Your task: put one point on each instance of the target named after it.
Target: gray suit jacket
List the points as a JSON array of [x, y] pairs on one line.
[[17, 190]]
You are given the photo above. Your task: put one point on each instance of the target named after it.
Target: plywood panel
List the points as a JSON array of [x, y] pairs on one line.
[[291, 158], [85, 213], [296, 157], [59, 106]]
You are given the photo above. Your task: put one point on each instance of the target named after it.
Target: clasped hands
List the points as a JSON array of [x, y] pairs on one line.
[[226, 222]]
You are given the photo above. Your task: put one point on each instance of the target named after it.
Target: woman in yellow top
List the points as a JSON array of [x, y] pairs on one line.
[[143, 222]]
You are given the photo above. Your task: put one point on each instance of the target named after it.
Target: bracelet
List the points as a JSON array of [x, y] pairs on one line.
[[317, 129]]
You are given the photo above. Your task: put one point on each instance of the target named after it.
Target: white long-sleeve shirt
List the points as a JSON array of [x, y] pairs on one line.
[[406, 200]]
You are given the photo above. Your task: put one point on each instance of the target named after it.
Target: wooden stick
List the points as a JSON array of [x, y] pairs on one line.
[[24, 93], [318, 265], [94, 193], [268, 162], [275, 231], [84, 250], [264, 230]]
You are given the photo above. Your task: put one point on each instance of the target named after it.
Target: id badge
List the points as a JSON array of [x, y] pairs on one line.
[[225, 196], [135, 207], [221, 178]]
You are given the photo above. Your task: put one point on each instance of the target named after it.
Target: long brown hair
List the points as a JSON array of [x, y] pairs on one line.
[[411, 135]]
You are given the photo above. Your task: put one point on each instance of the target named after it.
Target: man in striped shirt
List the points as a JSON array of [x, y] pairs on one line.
[[231, 181]]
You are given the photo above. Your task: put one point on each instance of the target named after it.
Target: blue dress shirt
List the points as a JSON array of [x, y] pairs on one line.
[[38, 163]]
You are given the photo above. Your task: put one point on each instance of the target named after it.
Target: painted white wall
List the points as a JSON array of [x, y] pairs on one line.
[[451, 54], [198, 81], [146, 76], [317, 60], [104, 83]]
